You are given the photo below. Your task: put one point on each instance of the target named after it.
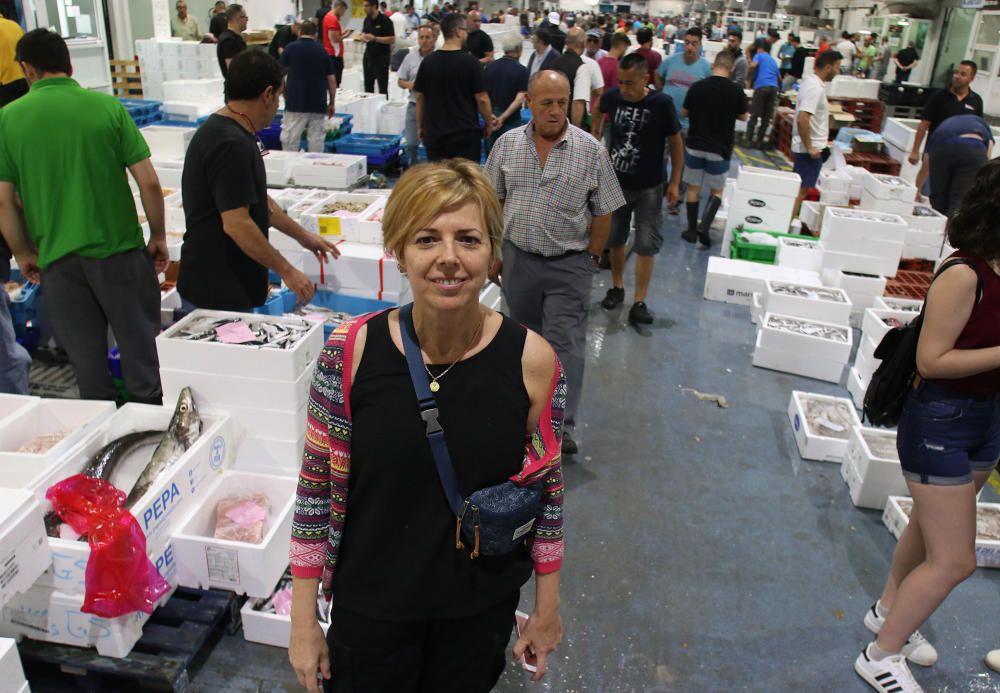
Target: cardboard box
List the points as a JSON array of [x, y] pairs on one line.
[[813, 446], [798, 253], [24, 553], [872, 474], [826, 349], [796, 364], [863, 264], [765, 212], [987, 551], [835, 309], [252, 569], [862, 226], [895, 206], [769, 182], [236, 360]]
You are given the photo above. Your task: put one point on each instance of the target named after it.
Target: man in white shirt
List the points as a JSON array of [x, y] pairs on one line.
[[847, 49], [812, 123]]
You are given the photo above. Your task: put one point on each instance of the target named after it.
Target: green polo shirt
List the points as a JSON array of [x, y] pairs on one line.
[[66, 149]]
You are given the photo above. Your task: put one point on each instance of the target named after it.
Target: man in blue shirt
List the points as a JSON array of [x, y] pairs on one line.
[[764, 75], [310, 79]]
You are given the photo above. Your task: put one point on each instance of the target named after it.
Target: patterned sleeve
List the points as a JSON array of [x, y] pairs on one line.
[[543, 462]]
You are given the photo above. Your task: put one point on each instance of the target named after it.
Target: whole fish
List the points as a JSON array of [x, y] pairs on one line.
[[184, 429]]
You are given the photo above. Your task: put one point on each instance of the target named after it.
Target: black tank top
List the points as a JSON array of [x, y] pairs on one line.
[[397, 558]]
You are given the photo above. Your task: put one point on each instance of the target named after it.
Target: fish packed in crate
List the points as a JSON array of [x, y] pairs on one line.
[[344, 209], [280, 603], [987, 519], [259, 333], [831, 419], [316, 313], [811, 329], [43, 443], [812, 292]]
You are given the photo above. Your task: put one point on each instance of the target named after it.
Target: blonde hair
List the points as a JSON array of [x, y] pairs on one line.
[[427, 191]]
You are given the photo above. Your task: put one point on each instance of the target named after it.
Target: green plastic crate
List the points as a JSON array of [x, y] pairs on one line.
[[756, 252]]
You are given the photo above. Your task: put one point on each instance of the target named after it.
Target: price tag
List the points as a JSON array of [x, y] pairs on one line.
[[329, 226]]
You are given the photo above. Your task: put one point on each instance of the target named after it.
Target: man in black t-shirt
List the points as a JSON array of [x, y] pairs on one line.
[[451, 95], [642, 122], [231, 41], [507, 84], [324, 7], [957, 99], [217, 19], [284, 36], [712, 106], [379, 36], [226, 254], [479, 44], [905, 60]]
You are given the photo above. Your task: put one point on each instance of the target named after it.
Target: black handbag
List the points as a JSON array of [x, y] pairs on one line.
[[494, 520], [893, 378]]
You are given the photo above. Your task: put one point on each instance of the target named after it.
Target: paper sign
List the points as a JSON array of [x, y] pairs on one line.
[[314, 317], [329, 226], [235, 333], [223, 565]]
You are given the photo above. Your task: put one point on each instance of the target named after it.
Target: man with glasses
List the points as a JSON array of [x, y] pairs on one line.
[[378, 35], [226, 254], [231, 41]]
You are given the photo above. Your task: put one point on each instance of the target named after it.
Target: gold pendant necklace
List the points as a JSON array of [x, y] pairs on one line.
[[435, 386]]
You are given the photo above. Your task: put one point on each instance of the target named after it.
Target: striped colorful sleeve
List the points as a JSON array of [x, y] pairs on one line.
[[543, 462]]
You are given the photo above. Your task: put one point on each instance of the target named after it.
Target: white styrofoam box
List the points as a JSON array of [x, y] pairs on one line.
[[329, 170], [756, 308], [827, 349], [856, 387], [195, 88], [80, 419], [848, 87], [874, 328], [795, 363], [735, 281], [341, 226], [727, 193], [871, 477], [252, 569], [834, 197], [361, 266], [297, 209], [921, 252], [862, 243], [11, 672], [854, 282], [901, 132], [44, 614], [770, 182], [865, 264], [835, 308], [907, 171], [14, 404], [866, 355], [758, 211], [391, 118], [895, 206], [813, 446], [278, 167], [927, 219], [908, 305], [369, 224], [239, 360], [835, 181], [219, 390], [270, 629], [860, 226], [264, 455], [279, 423], [167, 140], [189, 111], [163, 507], [800, 253], [289, 197], [810, 214], [24, 552], [987, 550]]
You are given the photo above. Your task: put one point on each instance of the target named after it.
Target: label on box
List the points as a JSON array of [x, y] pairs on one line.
[[329, 226], [223, 565], [8, 570], [797, 424]]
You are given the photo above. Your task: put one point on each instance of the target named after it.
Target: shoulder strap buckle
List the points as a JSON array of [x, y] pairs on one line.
[[430, 417]]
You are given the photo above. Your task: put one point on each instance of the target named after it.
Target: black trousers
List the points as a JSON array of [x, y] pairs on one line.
[[464, 145], [376, 67], [953, 170], [12, 90], [465, 655], [338, 68], [761, 114]]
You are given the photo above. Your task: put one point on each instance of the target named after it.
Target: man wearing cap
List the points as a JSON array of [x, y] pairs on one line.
[[558, 36], [594, 50]]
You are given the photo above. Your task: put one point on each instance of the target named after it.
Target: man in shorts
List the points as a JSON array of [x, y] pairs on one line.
[[812, 123], [712, 106], [642, 122]]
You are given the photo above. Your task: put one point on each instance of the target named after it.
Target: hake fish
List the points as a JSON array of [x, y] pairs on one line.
[[107, 459], [184, 430]]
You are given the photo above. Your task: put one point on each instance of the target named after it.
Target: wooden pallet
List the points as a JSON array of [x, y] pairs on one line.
[[177, 637], [876, 163], [125, 78], [868, 113]]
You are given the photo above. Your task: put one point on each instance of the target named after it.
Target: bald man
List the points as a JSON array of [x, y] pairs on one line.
[[556, 225], [479, 44], [570, 63]]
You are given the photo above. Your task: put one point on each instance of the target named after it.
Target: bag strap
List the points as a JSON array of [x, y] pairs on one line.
[[428, 410], [951, 263]]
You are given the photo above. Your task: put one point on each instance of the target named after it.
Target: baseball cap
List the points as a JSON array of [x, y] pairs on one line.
[[594, 33], [554, 17]]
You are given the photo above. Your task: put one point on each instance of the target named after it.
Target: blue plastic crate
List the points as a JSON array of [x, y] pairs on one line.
[[385, 159], [353, 305], [142, 106], [363, 144], [278, 303]]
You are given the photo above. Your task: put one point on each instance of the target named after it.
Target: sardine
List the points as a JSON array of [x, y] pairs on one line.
[[185, 428]]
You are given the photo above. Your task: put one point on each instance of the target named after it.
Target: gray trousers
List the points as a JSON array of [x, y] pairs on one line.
[[552, 297], [761, 113], [83, 297], [412, 141], [14, 359]]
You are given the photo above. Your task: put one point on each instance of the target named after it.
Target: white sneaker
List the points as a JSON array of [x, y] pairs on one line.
[[993, 660], [917, 649], [890, 675]]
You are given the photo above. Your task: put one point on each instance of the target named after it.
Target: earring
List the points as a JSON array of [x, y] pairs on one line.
[[402, 270]]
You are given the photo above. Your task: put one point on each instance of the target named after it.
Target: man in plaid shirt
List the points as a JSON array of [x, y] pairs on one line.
[[558, 190]]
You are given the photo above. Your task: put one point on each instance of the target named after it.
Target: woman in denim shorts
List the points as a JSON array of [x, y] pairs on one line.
[[948, 440]]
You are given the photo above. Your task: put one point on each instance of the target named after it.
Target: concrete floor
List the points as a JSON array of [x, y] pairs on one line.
[[702, 553]]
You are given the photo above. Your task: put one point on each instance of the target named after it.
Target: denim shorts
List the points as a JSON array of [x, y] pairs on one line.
[[943, 435], [705, 169], [808, 169], [647, 204]]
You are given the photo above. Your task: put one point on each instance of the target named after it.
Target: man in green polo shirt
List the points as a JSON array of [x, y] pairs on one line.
[[65, 151]]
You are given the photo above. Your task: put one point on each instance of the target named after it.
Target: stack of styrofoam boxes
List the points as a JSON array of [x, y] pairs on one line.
[[162, 60], [334, 171], [862, 241], [207, 90], [873, 329], [799, 253], [925, 235], [819, 349], [174, 221], [265, 390], [166, 141], [899, 134], [763, 200], [278, 166], [835, 188], [722, 216], [391, 118], [169, 170], [23, 546], [11, 672], [895, 519], [51, 610], [353, 53], [888, 195], [830, 443], [862, 289], [736, 281], [364, 107], [848, 87], [353, 79], [871, 467]]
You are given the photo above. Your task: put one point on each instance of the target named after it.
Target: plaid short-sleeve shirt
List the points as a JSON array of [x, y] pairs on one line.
[[548, 212]]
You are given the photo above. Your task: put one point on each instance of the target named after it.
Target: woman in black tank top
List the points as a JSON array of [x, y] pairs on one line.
[[410, 612]]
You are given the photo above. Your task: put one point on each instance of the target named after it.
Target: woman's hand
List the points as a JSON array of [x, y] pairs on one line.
[[309, 655], [542, 634]]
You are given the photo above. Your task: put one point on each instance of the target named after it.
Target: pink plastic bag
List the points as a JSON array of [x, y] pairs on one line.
[[120, 577]]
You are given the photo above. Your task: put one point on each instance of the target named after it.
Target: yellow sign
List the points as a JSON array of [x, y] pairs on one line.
[[329, 226]]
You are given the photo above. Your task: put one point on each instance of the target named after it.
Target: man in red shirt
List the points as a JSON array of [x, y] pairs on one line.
[[333, 38], [653, 59], [609, 64]]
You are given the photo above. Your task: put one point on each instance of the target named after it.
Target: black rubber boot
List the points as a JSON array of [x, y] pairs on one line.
[[706, 221], [691, 235]]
